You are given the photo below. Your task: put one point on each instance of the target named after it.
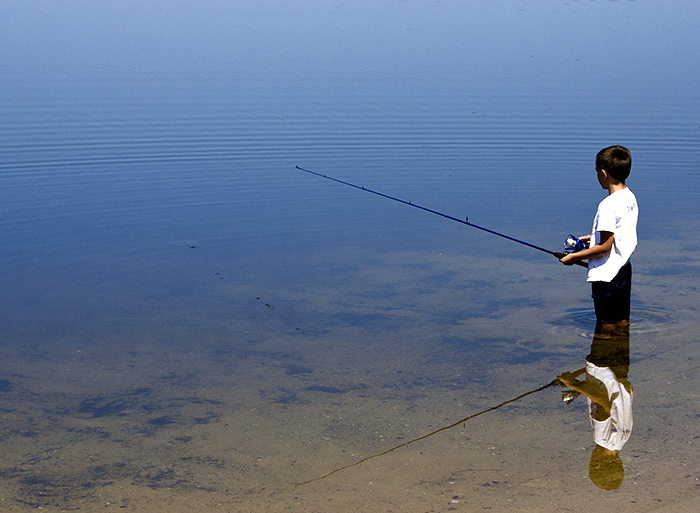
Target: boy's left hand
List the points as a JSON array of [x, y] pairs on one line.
[[568, 259]]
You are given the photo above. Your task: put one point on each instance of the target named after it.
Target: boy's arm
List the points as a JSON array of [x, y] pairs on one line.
[[567, 377], [605, 247], [595, 391]]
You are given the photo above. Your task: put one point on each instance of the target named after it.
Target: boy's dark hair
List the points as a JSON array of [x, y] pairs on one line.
[[616, 160]]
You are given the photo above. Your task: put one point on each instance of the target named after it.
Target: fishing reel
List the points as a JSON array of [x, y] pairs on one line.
[[569, 396], [574, 244]]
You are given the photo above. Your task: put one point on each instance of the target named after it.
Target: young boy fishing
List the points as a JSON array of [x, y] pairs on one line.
[[612, 242]]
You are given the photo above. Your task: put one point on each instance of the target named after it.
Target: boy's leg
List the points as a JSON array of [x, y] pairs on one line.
[[605, 331], [623, 281], [612, 302], [606, 307]]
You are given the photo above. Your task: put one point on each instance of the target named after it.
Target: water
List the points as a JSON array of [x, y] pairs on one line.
[[192, 323]]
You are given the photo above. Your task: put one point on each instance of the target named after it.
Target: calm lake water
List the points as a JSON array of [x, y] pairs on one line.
[[190, 323]]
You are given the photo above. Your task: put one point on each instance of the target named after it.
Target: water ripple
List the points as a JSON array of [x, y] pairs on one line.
[[643, 319]]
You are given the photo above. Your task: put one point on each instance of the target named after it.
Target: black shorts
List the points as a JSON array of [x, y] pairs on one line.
[[612, 300]]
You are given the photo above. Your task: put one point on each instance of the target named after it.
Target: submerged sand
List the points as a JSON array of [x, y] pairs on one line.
[[172, 419]]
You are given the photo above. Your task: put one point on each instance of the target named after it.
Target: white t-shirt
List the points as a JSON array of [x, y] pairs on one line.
[[613, 432], [617, 214]]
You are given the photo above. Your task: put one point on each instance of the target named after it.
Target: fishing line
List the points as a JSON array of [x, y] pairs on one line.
[[555, 382], [462, 221]]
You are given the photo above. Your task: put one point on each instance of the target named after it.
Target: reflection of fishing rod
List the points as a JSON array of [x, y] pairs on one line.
[[463, 221], [555, 382]]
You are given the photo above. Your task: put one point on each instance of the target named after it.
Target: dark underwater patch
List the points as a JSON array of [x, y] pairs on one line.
[[97, 408], [325, 390], [294, 369], [161, 421]]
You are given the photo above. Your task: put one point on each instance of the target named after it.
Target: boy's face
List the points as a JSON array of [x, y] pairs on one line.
[[603, 178]]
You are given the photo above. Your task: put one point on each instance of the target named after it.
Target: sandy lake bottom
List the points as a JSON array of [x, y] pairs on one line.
[[166, 416]]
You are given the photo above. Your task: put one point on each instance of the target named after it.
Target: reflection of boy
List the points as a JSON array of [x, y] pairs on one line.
[[609, 394], [612, 242]]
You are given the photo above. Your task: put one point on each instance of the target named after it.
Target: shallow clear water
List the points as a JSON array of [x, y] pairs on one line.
[[191, 322]]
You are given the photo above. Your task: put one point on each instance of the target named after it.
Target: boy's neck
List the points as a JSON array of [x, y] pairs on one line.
[[614, 186]]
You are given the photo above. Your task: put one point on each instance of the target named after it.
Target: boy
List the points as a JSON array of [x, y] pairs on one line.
[[612, 242]]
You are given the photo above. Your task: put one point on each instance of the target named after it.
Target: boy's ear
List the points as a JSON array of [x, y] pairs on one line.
[[606, 175]]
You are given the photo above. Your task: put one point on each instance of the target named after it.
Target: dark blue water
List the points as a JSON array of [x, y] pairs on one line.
[[151, 212]]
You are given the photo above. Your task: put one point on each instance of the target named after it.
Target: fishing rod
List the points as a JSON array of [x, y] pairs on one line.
[[553, 383], [463, 221]]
